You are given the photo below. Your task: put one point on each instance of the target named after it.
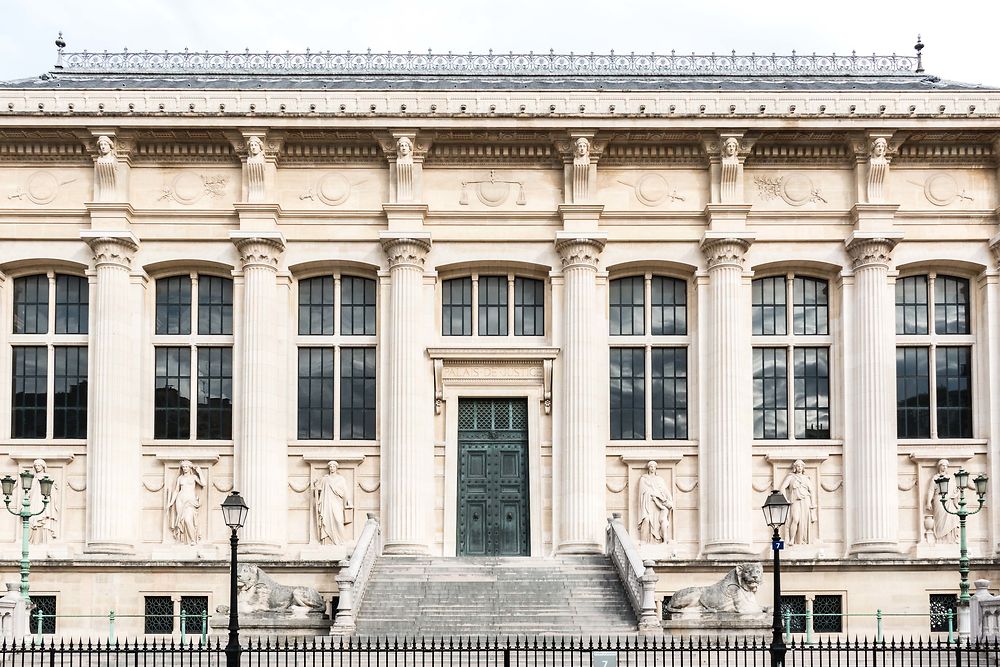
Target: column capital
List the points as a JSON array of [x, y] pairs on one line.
[[871, 249], [577, 250], [113, 248], [995, 248], [402, 249], [725, 249], [261, 249]]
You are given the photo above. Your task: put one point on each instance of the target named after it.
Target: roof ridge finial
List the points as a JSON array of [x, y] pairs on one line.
[[919, 46], [60, 45]]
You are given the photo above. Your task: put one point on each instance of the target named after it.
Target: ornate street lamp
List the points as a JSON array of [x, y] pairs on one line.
[[234, 513], [776, 514], [962, 481], [45, 486]]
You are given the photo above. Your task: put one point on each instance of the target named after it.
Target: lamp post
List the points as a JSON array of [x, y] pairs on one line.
[[775, 510], [962, 482], [234, 512], [45, 485]]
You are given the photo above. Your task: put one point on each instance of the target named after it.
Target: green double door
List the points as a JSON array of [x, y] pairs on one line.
[[493, 477]]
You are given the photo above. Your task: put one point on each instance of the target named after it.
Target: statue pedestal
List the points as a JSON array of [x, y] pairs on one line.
[[658, 552], [722, 624], [276, 625], [326, 552], [810, 551], [938, 551], [187, 552]]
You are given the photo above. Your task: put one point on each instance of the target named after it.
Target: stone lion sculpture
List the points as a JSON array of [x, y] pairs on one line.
[[734, 594], [260, 594]]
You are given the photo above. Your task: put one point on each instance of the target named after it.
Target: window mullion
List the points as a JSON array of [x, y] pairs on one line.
[[790, 414], [194, 304], [337, 351], [510, 304], [648, 383], [50, 386], [337, 305], [932, 387], [193, 392], [790, 306], [647, 310], [475, 304]]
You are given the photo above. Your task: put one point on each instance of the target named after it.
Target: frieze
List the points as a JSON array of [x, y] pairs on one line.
[[41, 188], [188, 187], [653, 189], [794, 190], [492, 191], [942, 189]]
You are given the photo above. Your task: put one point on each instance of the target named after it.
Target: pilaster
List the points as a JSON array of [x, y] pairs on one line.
[[727, 444], [407, 435], [870, 479], [992, 321], [114, 452], [260, 451], [579, 467]]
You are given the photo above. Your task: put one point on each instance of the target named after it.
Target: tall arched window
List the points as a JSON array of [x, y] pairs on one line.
[[791, 358], [336, 358], [49, 356], [933, 364], [648, 358], [193, 349]]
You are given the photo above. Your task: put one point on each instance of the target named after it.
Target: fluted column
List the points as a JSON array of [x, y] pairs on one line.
[[726, 448], [581, 467], [260, 452], [870, 451], [407, 441], [113, 449]]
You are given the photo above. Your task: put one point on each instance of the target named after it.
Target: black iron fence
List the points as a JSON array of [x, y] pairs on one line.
[[498, 652]]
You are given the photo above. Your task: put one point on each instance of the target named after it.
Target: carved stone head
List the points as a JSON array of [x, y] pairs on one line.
[[105, 145], [731, 147], [879, 147], [651, 467], [582, 147], [332, 466], [799, 466], [255, 146], [404, 146], [39, 465], [943, 465], [186, 467]]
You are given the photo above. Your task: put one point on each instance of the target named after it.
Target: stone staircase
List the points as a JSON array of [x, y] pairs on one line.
[[418, 596]]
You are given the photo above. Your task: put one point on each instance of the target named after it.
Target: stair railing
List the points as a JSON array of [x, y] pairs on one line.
[[354, 578], [637, 576]]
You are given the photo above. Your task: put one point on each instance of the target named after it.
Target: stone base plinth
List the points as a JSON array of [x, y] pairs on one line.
[[937, 551], [284, 625], [327, 552], [718, 625]]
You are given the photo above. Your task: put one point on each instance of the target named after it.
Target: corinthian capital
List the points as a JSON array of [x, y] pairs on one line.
[[723, 251], [867, 251], [580, 251], [258, 250], [112, 250], [406, 251], [995, 247]]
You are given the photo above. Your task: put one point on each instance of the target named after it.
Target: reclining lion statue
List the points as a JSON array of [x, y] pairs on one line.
[[260, 594], [733, 594]]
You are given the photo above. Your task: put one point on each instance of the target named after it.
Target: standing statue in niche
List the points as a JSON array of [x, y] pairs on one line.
[[655, 504], [42, 526], [332, 503], [106, 170], [256, 164], [183, 503], [797, 488], [404, 169], [878, 167], [581, 170], [945, 525]]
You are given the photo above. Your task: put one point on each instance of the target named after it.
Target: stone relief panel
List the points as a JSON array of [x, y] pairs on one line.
[[933, 531], [803, 189], [208, 188], [53, 188], [812, 482], [937, 190], [657, 488], [345, 189], [51, 531], [471, 190], [642, 190], [180, 491]]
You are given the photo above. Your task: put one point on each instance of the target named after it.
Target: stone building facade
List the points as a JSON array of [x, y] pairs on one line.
[[493, 290]]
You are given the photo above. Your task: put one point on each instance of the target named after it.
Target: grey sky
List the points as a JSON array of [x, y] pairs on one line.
[[960, 35]]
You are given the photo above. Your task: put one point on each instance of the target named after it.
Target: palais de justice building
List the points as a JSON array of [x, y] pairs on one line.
[[492, 289]]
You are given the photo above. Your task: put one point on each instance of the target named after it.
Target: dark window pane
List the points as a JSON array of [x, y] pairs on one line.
[[529, 307], [357, 393], [944, 607], [768, 306], [913, 400], [44, 610], [316, 378], [456, 307], [173, 306], [72, 304], [770, 393], [951, 305], [194, 610], [793, 612], [215, 305], [31, 305], [911, 305], [828, 613], [158, 615], [215, 393], [172, 394], [954, 392], [316, 306], [812, 392], [627, 301], [628, 393], [810, 307], [668, 304], [492, 305], [357, 306], [69, 410], [669, 386], [30, 384]]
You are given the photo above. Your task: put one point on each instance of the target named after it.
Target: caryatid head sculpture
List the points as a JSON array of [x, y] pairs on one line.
[[879, 147], [404, 147], [105, 145], [582, 147], [730, 147]]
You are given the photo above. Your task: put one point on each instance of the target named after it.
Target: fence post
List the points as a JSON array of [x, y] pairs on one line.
[[41, 615], [183, 626], [809, 622], [878, 625], [204, 626], [951, 626], [111, 626], [788, 625]]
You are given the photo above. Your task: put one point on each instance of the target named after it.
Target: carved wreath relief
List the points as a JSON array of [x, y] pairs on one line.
[[794, 190], [189, 188], [653, 189], [40, 188]]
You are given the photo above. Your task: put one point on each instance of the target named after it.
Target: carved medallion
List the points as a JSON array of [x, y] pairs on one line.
[[794, 190], [189, 188], [653, 189], [942, 190], [332, 189], [41, 188], [492, 191]]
